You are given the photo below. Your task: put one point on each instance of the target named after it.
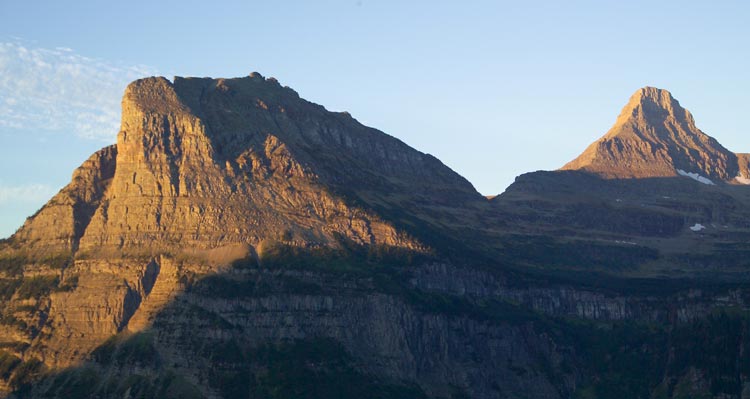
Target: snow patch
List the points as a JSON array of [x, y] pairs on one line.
[[695, 177], [742, 180], [697, 227]]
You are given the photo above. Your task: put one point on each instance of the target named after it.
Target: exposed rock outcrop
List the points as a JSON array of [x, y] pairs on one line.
[[58, 227]]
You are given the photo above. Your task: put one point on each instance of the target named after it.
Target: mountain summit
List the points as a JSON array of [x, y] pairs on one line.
[[205, 163], [654, 136]]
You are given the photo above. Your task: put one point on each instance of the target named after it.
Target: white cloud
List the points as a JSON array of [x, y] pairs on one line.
[[60, 90], [28, 193]]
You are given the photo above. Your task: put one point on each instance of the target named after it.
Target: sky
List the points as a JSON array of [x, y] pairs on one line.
[[494, 89]]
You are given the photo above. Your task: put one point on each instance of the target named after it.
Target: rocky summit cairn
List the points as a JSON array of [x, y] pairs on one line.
[[654, 136]]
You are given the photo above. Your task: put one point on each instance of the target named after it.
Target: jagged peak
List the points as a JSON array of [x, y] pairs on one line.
[[655, 136], [655, 95], [653, 105]]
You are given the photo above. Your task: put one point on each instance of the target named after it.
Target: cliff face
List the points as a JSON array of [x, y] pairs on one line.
[[743, 161], [241, 242], [185, 180], [59, 225]]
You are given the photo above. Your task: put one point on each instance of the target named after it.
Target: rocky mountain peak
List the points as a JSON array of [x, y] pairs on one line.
[[656, 97], [651, 105], [654, 136], [208, 163]]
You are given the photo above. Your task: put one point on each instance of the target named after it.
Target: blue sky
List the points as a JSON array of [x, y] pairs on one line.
[[494, 89]]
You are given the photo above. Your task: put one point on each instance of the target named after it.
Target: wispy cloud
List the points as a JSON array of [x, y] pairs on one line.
[[27, 193], [59, 90]]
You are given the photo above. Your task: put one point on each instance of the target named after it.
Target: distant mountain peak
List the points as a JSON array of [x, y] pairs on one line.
[[651, 104], [654, 95], [654, 136]]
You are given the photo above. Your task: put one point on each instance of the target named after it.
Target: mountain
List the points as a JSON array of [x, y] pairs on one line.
[[204, 163], [654, 189], [241, 242], [216, 170], [656, 137]]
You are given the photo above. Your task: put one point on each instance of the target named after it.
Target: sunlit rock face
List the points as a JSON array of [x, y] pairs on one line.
[[59, 225], [203, 163], [655, 137]]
